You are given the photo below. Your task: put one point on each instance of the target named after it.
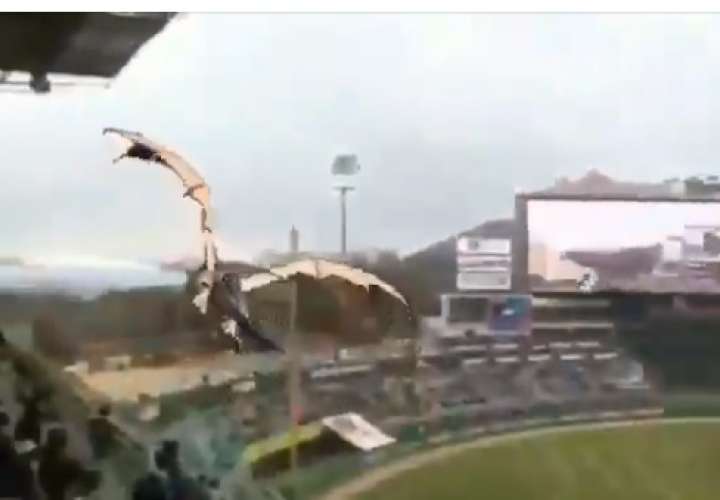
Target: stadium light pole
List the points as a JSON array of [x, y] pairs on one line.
[[294, 379], [345, 166], [343, 216]]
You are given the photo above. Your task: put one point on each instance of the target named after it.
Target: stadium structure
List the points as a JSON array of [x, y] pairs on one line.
[[43, 51]]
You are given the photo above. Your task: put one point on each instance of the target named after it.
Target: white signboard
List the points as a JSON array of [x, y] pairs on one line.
[[483, 280], [483, 263], [357, 431], [476, 245]]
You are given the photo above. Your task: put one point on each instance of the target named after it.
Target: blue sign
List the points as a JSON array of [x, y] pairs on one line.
[[511, 315]]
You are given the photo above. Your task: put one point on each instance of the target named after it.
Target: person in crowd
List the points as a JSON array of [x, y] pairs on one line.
[[60, 475], [7, 457], [35, 412], [180, 486], [5, 348], [17, 479], [23, 382], [5, 439], [151, 486], [102, 434], [214, 487], [29, 425]]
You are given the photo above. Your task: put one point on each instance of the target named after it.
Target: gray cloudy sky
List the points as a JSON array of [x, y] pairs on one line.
[[446, 113]]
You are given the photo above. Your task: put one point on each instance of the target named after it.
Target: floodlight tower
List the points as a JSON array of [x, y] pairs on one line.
[[344, 166], [343, 190]]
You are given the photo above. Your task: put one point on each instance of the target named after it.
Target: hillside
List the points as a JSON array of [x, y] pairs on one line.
[[435, 267]]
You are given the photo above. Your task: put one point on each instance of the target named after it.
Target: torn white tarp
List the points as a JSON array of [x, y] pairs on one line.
[[320, 269], [137, 146], [357, 431], [235, 323]]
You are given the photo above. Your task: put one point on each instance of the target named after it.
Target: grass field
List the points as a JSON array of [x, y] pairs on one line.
[[654, 461]]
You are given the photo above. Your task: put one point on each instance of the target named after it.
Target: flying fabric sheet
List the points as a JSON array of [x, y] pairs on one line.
[[234, 320]]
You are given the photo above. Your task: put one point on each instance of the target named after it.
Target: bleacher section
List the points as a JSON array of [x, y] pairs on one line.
[[571, 358]]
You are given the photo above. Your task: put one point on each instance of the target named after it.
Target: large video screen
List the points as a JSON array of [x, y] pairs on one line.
[[623, 245]]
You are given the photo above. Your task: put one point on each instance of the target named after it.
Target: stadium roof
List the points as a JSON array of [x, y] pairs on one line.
[[78, 44]]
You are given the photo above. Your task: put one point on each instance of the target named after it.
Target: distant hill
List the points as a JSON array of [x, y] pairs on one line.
[[11, 261], [435, 267]]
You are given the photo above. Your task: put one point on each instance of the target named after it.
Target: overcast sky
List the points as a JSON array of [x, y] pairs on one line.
[[446, 113]]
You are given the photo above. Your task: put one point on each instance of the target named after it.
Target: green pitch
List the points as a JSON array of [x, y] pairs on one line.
[[654, 461]]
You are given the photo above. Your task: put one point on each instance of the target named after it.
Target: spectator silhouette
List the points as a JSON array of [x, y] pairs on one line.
[[149, 487], [23, 382], [180, 486], [5, 440], [214, 487], [4, 347], [60, 474], [7, 458], [176, 485], [102, 434], [29, 426], [16, 476]]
